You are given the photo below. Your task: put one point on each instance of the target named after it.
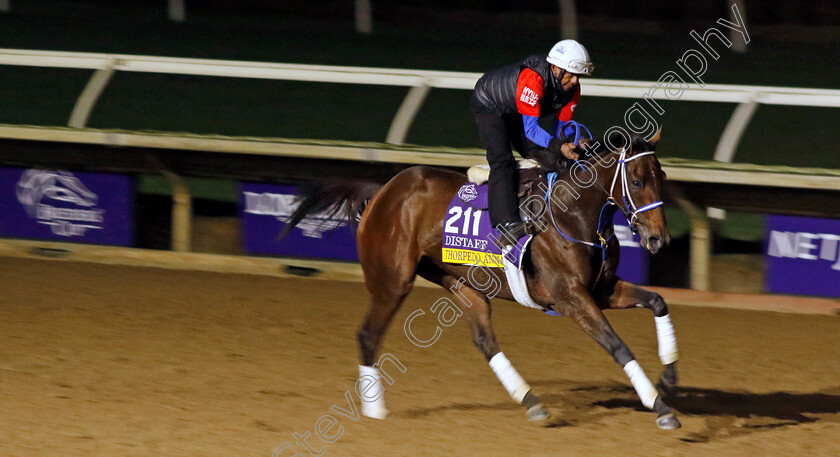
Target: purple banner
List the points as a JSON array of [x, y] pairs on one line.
[[633, 264], [802, 256], [264, 209], [67, 206]]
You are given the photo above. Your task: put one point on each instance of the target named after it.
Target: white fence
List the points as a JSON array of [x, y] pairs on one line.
[[420, 81]]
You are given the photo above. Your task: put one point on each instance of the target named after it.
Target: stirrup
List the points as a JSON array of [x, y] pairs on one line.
[[512, 232]]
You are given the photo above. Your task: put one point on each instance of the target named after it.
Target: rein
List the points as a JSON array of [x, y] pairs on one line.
[[608, 209], [603, 224]]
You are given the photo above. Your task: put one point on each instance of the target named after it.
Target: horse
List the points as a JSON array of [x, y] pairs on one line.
[[399, 236]]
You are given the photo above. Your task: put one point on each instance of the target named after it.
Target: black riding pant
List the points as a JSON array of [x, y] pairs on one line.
[[497, 134]]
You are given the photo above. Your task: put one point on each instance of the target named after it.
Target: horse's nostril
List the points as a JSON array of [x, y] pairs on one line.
[[655, 242]]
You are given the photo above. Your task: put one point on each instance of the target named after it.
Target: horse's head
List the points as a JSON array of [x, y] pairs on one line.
[[642, 193]]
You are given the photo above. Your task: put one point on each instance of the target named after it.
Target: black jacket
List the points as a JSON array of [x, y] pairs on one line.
[[496, 90]]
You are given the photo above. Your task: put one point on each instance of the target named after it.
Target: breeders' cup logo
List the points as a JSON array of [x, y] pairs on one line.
[[39, 190], [467, 193], [282, 206]]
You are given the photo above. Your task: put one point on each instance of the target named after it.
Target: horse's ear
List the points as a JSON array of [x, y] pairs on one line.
[[655, 138]]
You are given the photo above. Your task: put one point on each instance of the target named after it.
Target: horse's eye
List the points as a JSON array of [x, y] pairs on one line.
[[636, 184]]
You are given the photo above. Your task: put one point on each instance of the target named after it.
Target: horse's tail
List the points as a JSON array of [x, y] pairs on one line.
[[345, 199]]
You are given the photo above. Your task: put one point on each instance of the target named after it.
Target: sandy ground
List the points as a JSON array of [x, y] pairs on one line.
[[102, 360]]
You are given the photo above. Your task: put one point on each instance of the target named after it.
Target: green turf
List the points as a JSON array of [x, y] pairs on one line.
[[235, 106], [792, 135], [40, 96]]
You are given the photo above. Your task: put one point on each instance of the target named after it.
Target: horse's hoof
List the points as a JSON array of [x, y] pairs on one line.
[[537, 413], [668, 422]]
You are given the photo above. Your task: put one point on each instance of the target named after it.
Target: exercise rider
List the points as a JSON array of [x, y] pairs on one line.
[[508, 103]]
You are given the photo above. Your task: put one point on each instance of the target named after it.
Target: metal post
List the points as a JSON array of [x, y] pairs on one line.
[[181, 214], [700, 250], [405, 115], [177, 10], [364, 17], [738, 43], [87, 99], [181, 206], [568, 20], [730, 138]]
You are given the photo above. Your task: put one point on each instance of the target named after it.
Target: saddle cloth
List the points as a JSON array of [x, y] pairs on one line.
[[469, 238]]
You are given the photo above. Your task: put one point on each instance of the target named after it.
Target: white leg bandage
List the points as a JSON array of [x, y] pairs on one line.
[[641, 383], [667, 340], [514, 384], [371, 392]]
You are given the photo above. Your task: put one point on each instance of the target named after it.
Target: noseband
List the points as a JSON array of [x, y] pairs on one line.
[[631, 212]]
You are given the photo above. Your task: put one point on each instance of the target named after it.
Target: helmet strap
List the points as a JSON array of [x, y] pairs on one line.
[[558, 79]]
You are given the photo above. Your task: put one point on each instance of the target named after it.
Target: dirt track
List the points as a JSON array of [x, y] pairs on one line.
[[102, 360]]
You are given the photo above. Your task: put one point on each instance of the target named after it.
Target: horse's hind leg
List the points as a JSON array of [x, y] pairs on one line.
[[589, 317], [388, 285], [628, 295], [476, 307]]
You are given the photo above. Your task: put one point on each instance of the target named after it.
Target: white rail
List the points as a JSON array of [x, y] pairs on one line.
[[680, 170], [746, 96]]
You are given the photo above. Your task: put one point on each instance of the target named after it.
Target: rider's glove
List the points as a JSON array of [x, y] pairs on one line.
[[559, 148]]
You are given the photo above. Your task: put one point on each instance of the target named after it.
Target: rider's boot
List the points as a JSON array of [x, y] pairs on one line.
[[512, 231]]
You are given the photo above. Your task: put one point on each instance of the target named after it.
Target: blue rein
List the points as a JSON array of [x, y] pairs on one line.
[[575, 128], [604, 220]]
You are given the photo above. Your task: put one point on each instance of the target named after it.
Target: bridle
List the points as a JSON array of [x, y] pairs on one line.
[[631, 212], [608, 209]]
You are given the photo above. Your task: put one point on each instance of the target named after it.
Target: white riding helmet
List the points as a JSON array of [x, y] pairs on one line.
[[572, 57]]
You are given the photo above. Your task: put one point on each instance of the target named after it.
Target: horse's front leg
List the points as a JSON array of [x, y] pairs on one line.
[[628, 295], [581, 307], [476, 306]]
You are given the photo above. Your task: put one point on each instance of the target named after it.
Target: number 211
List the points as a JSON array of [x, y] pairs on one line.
[[456, 214]]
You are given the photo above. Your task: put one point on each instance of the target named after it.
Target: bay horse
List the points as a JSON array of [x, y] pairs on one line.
[[572, 270]]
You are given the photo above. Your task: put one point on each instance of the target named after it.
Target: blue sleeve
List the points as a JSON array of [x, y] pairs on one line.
[[555, 127], [534, 132]]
